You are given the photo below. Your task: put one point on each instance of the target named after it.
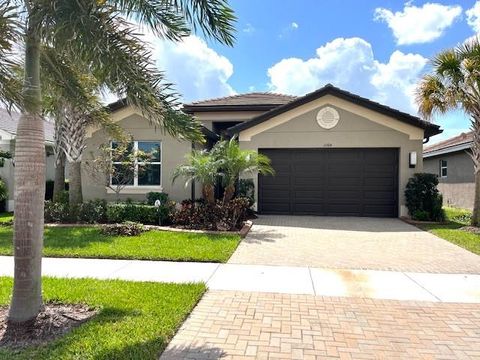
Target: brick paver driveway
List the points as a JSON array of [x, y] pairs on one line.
[[239, 325], [351, 243]]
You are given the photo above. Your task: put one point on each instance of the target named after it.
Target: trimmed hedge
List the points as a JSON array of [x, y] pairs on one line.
[[121, 212]]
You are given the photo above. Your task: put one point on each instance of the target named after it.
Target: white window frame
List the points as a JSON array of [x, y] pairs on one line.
[[135, 185], [442, 167]]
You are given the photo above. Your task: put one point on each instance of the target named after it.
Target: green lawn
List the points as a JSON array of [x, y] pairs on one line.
[[456, 218], [6, 217], [151, 245], [136, 320]]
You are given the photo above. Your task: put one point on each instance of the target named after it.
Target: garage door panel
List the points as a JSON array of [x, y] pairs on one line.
[[342, 182], [309, 209]]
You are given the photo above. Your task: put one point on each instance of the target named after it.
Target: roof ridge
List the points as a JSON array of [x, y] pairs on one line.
[[198, 102]]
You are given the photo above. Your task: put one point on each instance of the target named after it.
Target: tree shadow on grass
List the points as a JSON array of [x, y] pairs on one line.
[[72, 237], [59, 346]]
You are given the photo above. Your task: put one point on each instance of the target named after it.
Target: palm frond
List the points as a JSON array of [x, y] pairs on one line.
[[118, 59], [174, 19], [431, 96], [10, 36]]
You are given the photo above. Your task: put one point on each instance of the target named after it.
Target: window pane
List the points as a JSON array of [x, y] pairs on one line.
[[118, 156], [151, 148], [444, 172], [122, 175], [149, 174]]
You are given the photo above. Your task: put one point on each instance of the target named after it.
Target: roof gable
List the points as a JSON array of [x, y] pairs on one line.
[[429, 128]]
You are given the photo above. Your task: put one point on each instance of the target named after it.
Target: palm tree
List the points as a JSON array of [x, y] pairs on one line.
[[98, 33], [235, 161], [455, 83], [200, 166]]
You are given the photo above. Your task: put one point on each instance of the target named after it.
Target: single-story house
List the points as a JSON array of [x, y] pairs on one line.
[[8, 132], [450, 160], [334, 152]]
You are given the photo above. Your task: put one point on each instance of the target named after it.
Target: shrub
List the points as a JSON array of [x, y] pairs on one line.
[[119, 213], [423, 200], [218, 216], [93, 211], [128, 228], [57, 212], [154, 196]]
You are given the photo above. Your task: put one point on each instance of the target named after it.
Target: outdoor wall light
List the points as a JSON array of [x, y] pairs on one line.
[[412, 159]]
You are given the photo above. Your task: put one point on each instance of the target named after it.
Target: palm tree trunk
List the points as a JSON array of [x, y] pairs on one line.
[[475, 155], [476, 203], [209, 194], [29, 193], [59, 180], [229, 193], [75, 183]]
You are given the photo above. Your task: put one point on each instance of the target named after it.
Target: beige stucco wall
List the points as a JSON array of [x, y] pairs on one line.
[[173, 154], [303, 131], [458, 194]]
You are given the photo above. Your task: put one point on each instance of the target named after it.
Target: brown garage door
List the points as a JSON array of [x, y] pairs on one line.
[[334, 182]]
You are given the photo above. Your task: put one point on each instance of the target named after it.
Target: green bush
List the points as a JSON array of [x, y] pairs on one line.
[[128, 228], [154, 196], [144, 214], [423, 200], [57, 212], [93, 211]]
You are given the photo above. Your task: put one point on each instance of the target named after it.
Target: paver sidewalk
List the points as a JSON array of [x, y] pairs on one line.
[[241, 325], [273, 279]]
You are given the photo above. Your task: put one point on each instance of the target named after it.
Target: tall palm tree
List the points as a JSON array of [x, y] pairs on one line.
[[202, 167], [100, 34], [235, 161], [455, 83]]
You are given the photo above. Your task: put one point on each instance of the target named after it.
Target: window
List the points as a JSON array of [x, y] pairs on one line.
[[147, 172], [443, 168]]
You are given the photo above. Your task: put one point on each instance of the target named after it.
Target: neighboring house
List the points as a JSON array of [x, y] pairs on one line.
[[450, 160], [8, 131], [335, 153]]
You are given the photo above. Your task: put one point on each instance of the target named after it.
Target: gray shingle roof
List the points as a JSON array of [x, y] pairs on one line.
[[9, 122]]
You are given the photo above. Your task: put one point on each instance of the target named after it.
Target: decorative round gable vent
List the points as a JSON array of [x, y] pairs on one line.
[[328, 117]]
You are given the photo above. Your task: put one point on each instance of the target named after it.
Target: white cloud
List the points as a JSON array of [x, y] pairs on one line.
[[351, 65], [398, 76], [473, 17], [248, 29], [288, 30], [416, 25], [197, 71]]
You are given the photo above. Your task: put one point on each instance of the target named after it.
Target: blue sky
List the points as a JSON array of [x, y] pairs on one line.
[[377, 49]]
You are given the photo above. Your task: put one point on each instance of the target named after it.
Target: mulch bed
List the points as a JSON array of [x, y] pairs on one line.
[[53, 321], [472, 229]]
